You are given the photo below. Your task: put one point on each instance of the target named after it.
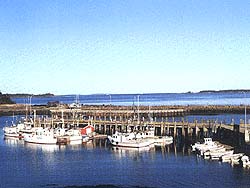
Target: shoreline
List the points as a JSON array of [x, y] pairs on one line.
[[22, 109]]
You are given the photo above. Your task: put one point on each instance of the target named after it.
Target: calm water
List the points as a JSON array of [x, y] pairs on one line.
[[149, 99], [98, 165]]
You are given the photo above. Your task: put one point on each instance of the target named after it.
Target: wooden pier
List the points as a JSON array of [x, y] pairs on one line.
[[107, 119], [107, 122], [163, 127]]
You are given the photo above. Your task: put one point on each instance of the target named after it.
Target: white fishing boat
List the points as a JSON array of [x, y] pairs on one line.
[[27, 129], [74, 135], [14, 131], [216, 149], [149, 135], [128, 140], [65, 136], [214, 153], [218, 155], [208, 148], [41, 136], [202, 147], [162, 140], [236, 158]]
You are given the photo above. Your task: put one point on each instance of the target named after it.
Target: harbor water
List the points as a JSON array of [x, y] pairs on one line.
[[146, 99], [97, 164]]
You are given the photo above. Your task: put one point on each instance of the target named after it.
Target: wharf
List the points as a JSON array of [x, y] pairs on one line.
[[156, 111], [105, 125], [108, 118]]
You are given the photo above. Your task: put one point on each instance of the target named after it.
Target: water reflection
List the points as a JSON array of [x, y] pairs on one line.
[[74, 145], [176, 148], [45, 148], [138, 153], [66, 164], [75, 142], [123, 152], [13, 142]]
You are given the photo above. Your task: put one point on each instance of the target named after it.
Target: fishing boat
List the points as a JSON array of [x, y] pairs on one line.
[[149, 135], [162, 140], [205, 148], [14, 131], [208, 144], [74, 135], [65, 136], [233, 158], [128, 140], [213, 151], [218, 155], [41, 136]]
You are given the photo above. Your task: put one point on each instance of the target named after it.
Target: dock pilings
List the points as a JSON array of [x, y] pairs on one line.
[[126, 120]]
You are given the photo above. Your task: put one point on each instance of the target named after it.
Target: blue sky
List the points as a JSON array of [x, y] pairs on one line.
[[142, 46]]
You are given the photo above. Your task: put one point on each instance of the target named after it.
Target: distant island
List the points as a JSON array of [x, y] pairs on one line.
[[24, 95], [226, 91], [5, 99]]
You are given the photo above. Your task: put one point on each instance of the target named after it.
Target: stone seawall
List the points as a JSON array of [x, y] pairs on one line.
[[21, 109]]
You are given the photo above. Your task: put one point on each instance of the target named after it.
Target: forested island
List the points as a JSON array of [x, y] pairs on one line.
[[25, 95], [5, 99], [226, 91]]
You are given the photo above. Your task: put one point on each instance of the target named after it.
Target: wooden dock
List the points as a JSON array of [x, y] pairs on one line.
[[106, 119], [105, 125]]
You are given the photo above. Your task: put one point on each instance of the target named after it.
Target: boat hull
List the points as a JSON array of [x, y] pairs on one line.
[[132, 145], [139, 143], [13, 135], [40, 140]]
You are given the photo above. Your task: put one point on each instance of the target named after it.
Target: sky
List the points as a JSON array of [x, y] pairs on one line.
[[130, 46]]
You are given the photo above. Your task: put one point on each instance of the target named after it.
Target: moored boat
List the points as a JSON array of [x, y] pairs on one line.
[[202, 147], [14, 131], [161, 140], [127, 140], [219, 154], [149, 135], [233, 158], [41, 136], [74, 135]]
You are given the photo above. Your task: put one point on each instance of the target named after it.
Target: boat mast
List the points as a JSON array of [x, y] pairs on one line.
[[138, 109], [26, 109]]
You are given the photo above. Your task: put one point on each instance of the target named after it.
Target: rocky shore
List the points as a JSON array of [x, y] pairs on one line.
[[21, 109]]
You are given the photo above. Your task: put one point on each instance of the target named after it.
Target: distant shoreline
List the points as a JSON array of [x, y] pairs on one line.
[[25, 95], [226, 91]]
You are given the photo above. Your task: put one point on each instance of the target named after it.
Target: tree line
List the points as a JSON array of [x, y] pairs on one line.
[[5, 99]]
